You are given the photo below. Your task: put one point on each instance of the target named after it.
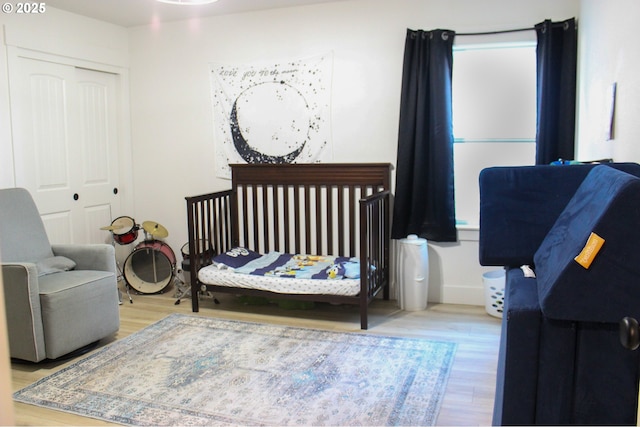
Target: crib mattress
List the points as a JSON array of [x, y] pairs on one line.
[[210, 275], [283, 273]]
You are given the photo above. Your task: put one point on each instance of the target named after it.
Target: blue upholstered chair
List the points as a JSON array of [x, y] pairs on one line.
[[58, 298], [560, 358]]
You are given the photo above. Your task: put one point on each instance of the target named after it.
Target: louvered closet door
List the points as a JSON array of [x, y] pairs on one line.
[[65, 146]]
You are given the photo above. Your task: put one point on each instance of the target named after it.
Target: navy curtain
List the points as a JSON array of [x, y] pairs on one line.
[[556, 90], [424, 198]]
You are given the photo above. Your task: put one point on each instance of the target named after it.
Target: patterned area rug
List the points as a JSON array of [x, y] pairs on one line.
[[189, 370]]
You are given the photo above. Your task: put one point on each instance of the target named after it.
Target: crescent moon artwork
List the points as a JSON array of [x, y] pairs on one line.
[[284, 124], [272, 113]]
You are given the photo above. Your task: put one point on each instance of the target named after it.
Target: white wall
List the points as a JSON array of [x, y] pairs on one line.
[[608, 54], [172, 127]]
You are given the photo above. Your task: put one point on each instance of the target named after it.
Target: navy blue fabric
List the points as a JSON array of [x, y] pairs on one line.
[[553, 371], [515, 399], [606, 377], [519, 205], [608, 204], [424, 199], [556, 367], [236, 257], [556, 70]]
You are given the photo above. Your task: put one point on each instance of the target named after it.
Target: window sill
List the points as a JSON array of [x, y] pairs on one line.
[[468, 231], [468, 226]]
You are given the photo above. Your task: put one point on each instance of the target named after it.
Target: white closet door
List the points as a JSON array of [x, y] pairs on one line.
[[97, 139], [65, 146]]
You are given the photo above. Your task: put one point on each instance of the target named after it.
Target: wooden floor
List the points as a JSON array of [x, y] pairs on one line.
[[470, 390]]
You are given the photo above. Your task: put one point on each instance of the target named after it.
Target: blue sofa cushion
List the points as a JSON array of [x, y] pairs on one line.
[[515, 399], [607, 203], [519, 205]]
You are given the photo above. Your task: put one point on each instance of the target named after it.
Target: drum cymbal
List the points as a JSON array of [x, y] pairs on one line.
[[155, 229], [117, 224]]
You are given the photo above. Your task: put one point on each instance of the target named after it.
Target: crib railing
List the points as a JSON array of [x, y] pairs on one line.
[[323, 209], [374, 244]]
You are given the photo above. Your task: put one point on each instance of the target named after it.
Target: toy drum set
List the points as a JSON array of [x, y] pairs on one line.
[[150, 268]]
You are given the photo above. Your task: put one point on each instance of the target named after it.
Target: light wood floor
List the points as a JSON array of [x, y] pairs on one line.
[[470, 390]]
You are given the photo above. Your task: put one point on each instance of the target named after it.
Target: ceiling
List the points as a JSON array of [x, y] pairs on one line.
[[131, 13]]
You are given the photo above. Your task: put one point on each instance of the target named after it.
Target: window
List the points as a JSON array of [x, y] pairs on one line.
[[494, 115]]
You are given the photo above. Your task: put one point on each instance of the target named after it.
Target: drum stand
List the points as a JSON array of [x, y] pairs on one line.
[[121, 277], [126, 286], [183, 290]]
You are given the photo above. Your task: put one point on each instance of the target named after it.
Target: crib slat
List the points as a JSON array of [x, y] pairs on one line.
[[306, 191], [352, 220], [296, 214], [264, 212], [254, 216], [276, 217], [330, 220], [287, 219], [225, 225], [203, 221], [208, 220], [340, 221], [318, 221], [245, 219]]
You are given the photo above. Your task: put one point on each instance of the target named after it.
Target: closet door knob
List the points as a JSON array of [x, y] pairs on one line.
[[76, 196], [115, 190]]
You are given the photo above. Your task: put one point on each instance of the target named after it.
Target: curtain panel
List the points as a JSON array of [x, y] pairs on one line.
[[424, 198], [557, 54]]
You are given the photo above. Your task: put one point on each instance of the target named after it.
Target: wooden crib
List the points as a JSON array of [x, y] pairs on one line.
[[323, 209]]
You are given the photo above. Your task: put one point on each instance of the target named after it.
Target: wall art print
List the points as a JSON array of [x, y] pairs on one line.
[[272, 113]]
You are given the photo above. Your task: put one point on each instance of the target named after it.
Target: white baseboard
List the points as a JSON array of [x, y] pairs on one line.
[[469, 295]]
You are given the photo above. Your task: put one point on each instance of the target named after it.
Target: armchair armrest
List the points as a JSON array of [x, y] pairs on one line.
[[100, 257], [22, 301]]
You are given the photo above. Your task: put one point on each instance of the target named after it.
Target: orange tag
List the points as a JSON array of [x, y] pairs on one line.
[[590, 250]]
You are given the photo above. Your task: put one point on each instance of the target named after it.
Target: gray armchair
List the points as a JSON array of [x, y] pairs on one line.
[[58, 298]]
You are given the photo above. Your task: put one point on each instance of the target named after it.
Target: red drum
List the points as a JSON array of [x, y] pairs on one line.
[[149, 269], [124, 230]]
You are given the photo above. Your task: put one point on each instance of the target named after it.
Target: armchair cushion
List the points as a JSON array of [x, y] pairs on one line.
[[54, 264], [607, 203], [77, 306]]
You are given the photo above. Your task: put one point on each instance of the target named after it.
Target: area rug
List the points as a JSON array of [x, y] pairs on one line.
[[190, 370]]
